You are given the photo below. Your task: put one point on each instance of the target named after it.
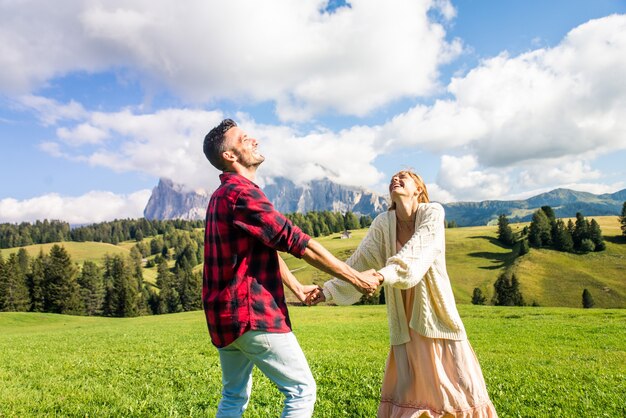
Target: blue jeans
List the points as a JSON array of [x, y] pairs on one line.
[[280, 358]]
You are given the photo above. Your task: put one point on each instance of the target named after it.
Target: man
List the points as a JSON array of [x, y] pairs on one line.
[[242, 291]]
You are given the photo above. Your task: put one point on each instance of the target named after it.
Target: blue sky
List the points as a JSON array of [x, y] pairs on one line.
[[485, 99]]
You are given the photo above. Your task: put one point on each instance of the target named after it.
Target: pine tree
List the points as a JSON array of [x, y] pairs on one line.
[[553, 221], [562, 238], [622, 219], [365, 221], [507, 292], [189, 288], [581, 231], [524, 247], [169, 299], [587, 246], [540, 233], [505, 233], [13, 289], [23, 261], [595, 235], [587, 299], [477, 297], [61, 290], [121, 292], [91, 288], [351, 221], [36, 279]]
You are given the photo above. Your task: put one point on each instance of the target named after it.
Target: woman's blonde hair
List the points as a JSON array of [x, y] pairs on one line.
[[422, 197]]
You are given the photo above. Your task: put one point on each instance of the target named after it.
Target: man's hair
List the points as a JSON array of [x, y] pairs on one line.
[[214, 143]]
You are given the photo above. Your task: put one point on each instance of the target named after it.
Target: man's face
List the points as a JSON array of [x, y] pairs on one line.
[[244, 147]]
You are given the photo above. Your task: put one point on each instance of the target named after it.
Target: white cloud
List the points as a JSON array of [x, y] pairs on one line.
[[562, 171], [82, 134], [305, 60], [544, 104], [168, 143], [50, 111], [535, 120], [92, 207], [437, 194], [462, 177]]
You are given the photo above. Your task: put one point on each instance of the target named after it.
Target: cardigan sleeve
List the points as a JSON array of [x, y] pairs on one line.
[[368, 255], [405, 269]]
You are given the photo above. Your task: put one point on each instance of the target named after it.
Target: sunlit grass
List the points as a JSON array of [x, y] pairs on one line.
[[536, 361]]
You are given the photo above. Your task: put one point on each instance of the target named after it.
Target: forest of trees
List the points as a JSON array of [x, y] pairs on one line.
[[546, 231], [113, 232], [581, 236], [326, 222], [48, 231], [54, 283]]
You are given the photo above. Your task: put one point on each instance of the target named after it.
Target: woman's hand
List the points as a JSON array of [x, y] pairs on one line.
[[315, 297]]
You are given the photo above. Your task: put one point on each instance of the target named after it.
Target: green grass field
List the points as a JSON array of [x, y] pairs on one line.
[[537, 362]]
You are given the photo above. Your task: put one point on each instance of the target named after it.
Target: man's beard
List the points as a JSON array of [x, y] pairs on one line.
[[248, 159]]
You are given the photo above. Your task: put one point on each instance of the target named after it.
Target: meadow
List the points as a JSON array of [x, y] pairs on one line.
[[537, 362], [475, 258]]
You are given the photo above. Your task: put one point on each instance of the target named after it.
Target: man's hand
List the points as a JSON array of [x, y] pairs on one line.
[[315, 297], [304, 292]]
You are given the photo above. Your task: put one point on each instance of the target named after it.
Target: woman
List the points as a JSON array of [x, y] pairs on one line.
[[431, 370]]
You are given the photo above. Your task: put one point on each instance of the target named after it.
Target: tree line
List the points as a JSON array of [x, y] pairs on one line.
[[322, 223], [112, 232], [545, 231], [54, 283]]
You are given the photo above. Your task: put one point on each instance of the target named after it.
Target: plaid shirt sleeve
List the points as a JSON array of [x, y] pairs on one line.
[[256, 215]]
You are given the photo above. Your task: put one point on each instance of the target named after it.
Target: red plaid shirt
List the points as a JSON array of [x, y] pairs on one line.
[[242, 288]]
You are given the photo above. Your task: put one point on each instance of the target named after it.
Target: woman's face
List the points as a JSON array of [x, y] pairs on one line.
[[403, 185]]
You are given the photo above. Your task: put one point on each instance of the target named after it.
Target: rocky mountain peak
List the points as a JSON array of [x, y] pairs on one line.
[[172, 201]]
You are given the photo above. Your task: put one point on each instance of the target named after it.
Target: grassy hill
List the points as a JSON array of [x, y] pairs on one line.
[[474, 259], [550, 278], [79, 251], [537, 362]]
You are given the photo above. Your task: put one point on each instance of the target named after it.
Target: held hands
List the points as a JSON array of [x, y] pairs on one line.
[[304, 293], [315, 297], [368, 281], [372, 278]]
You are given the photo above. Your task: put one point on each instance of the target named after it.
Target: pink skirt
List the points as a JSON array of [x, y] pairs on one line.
[[433, 378]]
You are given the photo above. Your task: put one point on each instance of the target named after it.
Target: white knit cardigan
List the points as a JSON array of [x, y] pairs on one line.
[[420, 264]]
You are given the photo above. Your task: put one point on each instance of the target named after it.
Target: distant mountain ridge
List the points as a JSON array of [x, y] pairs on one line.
[[172, 201], [564, 202]]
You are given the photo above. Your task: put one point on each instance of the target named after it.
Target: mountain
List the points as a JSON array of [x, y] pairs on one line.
[[564, 202], [172, 201], [320, 195]]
